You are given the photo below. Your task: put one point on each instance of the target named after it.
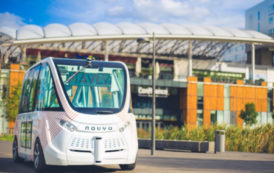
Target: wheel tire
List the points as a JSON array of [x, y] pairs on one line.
[[15, 156], [128, 166], [38, 157]]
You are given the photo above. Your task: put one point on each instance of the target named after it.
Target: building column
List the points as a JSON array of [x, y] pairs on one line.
[[106, 50], [24, 55], [253, 61], [190, 58], [138, 66], [38, 58], [6, 57]]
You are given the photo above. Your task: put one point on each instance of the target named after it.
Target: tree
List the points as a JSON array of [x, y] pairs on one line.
[[11, 102], [249, 115]]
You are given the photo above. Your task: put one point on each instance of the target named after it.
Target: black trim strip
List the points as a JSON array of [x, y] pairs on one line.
[[110, 151], [81, 151]]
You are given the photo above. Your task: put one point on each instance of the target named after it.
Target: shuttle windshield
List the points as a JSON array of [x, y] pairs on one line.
[[96, 89]]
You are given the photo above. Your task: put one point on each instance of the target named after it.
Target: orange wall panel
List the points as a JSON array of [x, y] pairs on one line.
[[259, 104], [252, 93], [264, 105], [213, 99], [206, 103], [241, 95], [206, 118], [16, 76], [239, 82], [192, 79], [191, 117], [264, 83], [191, 102], [207, 79], [15, 66], [220, 103]]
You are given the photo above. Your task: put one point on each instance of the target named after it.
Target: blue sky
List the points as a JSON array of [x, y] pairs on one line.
[[224, 13]]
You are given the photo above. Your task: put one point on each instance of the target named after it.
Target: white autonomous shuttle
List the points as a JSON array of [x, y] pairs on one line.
[[76, 112]]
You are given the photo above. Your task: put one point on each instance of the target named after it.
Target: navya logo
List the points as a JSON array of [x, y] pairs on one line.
[[98, 128]]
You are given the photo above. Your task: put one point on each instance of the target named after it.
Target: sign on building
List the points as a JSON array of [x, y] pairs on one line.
[[147, 92]]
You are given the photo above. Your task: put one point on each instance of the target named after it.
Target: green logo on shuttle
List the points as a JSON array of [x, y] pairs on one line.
[[90, 79]]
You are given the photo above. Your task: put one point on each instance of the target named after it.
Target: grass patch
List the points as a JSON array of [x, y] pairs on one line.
[[7, 138]]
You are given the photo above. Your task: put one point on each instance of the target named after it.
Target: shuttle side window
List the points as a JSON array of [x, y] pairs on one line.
[[46, 94], [23, 99], [24, 105], [28, 91], [31, 96]]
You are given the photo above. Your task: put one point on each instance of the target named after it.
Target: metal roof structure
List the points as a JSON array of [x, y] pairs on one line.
[[171, 39]]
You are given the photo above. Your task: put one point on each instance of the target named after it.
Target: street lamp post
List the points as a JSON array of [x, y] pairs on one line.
[[146, 40], [153, 98]]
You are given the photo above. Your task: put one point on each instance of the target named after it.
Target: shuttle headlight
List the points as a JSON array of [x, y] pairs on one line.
[[122, 129], [68, 125]]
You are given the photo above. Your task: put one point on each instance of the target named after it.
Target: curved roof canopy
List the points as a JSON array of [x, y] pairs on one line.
[[171, 39], [102, 30]]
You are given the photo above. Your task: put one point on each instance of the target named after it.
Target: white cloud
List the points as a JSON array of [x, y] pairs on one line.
[[227, 13], [170, 10], [115, 11], [10, 20], [175, 8], [232, 21], [200, 12]]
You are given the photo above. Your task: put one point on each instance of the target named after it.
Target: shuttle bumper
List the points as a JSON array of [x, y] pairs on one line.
[[90, 149]]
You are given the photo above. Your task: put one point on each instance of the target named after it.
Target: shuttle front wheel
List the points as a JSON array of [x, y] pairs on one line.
[[128, 166], [15, 156], [39, 160]]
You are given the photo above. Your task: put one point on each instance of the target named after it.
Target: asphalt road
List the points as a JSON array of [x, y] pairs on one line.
[[163, 161]]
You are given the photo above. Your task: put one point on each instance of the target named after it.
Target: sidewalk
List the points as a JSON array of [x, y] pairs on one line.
[[228, 155]]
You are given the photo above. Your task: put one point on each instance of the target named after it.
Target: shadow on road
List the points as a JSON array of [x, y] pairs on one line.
[[7, 165]]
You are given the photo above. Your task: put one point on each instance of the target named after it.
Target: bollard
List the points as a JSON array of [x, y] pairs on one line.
[[219, 141]]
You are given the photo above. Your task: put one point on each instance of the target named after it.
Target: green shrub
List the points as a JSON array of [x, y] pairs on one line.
[[246, 139], [249, 115]]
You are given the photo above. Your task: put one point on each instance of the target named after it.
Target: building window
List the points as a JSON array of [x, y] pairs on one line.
[[270, 20], [259, 15], [200, 102], [271, 32], [213, 117], [250, 17], [200, 117]]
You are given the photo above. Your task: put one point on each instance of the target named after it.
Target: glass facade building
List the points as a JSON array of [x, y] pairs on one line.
[[208, 98]]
